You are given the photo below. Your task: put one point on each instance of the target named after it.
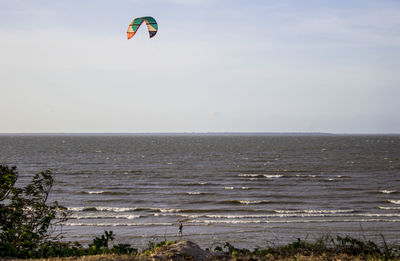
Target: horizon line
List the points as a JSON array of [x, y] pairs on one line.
[[195, 133]]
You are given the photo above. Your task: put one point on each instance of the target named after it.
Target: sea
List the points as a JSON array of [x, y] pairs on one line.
[[251, 189]]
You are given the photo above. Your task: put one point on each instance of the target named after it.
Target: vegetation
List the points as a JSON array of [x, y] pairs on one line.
[[27, 221], [26, 218], [327, 247]]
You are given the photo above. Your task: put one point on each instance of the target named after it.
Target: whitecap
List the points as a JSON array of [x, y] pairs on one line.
[[248, 175], [250, 202], [169, 210], [389, 208], [110, 209], [273, 176], [194, 193], [96, 192], [394, 201], [104, 216], [117, 224], [76, 208], [228, 188], [236, 216], [235, 221], [387, 191], [315, 211], [115, 209]]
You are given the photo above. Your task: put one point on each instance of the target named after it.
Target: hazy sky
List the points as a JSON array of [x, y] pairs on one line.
[[214, 66]]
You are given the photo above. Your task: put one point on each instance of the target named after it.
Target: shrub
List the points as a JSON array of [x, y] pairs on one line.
[[25, 215]]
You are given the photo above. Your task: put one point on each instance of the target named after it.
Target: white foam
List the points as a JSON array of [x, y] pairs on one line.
[[387, 191], [75, 208], [236, 216], [96, 192], [114, 209], [250, 202], [389, 208], [306, 176], [397, 202], [118, 224], [315, 211], [235, 221], [252, 176], [194, 193], [273, 176], [104, 217], [169, 210], [111, 209], [248, 175], [229, 188]]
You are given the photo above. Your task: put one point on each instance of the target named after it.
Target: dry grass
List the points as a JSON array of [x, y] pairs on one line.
[[112, 257]]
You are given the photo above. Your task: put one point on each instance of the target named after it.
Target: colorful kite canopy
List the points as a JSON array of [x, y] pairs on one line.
[[134, 26]]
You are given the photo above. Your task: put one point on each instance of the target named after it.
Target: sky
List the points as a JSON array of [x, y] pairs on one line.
[[214, 66]]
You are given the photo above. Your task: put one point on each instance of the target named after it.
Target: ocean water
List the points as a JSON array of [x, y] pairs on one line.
[[249, 189]]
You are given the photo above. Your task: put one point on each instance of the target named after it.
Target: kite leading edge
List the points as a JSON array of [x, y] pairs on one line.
[[135, 24]]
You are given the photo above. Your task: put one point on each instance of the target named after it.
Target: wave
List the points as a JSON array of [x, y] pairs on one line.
[[389, 208], [315, 211], [270, 176], [94, 192], [196, 184], [117, 224], [123, 209], [306, 176], [387, 191], [249, 175], [194, 193], [243, 202], [273, 176], [109, 209], [397, 202], [262, 217], [169, 210], [101, 192], [234, 216], [235, 221], [212, 210], [105, 217], [252, 202]]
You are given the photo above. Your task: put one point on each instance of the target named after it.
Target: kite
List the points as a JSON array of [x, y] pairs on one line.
[[135, 24]]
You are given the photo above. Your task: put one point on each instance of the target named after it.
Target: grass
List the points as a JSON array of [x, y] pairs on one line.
[[323, 248]]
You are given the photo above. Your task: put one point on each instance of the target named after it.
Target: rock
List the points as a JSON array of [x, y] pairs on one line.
[[182, 250]]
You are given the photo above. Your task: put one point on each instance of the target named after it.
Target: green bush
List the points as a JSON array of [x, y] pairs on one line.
[[25, 215]]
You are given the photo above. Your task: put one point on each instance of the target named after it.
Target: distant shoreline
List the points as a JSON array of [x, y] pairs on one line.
[[251, 134]]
